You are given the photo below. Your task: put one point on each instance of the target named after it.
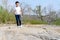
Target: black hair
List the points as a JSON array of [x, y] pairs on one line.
[[16, 2]]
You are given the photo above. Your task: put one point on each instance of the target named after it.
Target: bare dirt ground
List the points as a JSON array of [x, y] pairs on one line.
[[29, 32]]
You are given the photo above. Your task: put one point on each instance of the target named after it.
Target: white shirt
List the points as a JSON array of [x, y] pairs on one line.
[[18, 10]]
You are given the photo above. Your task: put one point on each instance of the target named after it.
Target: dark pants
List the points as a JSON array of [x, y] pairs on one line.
[[18, 20]]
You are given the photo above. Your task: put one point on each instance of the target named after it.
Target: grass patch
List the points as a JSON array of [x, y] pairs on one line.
[[57, 22], [34, 22]]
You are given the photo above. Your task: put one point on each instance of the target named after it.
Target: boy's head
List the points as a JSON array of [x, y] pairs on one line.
[[17, 3]]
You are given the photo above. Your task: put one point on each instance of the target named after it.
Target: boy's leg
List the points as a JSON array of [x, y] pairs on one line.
[[17, 21], [20, 20]]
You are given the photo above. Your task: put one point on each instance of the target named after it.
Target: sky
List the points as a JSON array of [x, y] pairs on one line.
[[44, 3]]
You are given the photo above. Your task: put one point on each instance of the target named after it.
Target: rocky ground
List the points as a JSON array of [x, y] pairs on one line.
[[29, 32]]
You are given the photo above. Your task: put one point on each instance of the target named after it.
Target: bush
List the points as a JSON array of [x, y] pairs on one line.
[[6, 17], [34, 21], [37, 22], [57, 22]]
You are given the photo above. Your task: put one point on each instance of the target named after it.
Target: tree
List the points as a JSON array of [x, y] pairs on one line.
[[5, 4], [38, 11], [52, 16], [44, 11], [27, 9], [4, 11]]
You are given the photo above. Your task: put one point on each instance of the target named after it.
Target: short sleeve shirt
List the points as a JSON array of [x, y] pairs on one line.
[[18, 10]]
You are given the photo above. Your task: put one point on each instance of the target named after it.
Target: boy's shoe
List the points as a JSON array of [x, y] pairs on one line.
[[20, 26]]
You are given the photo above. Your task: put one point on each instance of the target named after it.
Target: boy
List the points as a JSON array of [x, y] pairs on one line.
[[18, 14]]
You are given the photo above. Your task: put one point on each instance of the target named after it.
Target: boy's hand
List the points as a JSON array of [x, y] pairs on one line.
[[21, 15]]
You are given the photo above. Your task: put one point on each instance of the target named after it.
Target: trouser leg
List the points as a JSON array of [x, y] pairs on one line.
[[18, 20]]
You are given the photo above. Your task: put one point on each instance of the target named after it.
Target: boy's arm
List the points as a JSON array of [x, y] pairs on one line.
[[21, 12], [14, 11]]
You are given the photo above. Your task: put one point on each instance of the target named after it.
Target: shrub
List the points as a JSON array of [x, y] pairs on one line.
[[34, 21], [57, 22]]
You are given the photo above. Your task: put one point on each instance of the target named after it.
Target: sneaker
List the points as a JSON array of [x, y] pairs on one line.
[[20, 26]]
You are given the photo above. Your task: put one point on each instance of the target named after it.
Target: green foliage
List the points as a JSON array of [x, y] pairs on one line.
[[57, 22], [38, 22], [34, 22], [5, 16]]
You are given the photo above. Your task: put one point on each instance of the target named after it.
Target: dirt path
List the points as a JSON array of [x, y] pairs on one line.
[[29, 32]]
